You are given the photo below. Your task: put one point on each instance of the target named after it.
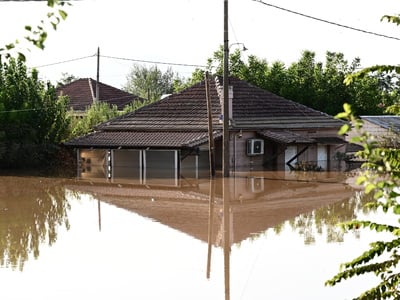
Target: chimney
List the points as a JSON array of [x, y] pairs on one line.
[[221, 99]]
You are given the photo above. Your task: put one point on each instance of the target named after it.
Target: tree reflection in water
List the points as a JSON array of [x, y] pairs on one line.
[[31, 212], [327, 218]]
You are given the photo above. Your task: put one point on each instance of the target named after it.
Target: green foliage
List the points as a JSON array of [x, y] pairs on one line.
[[318, 85], [66, 78], [37, 35], [150, 83], [95, 114], [32, 118], [181, 84], [381, 178], [133, 106]]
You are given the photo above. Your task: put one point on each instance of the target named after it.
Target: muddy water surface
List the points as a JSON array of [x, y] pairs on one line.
[[252, 236]]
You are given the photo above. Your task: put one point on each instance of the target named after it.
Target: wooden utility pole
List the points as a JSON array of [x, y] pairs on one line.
[[98, 75], [225, 138], [211, 150]]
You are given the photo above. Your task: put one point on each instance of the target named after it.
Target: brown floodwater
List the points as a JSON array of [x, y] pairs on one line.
[[251, 236]]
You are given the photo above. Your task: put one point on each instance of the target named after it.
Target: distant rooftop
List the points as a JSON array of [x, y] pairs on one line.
[[82, 93], [386, 121]]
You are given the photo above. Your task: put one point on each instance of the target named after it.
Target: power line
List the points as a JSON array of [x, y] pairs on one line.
[[65, 61], [123, 58], [154, 62], [328, 22], [21, 110]]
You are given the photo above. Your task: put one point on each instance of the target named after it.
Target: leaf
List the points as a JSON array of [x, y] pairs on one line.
[[391, 19], [370, 187], [10, 46], [50, 3], [21, 56], [342, 115], [361, 179], [347, 108], [396, 209], [63, 14], [344, 129]]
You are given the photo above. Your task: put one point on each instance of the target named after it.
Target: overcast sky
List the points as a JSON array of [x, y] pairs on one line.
[[187, 32]]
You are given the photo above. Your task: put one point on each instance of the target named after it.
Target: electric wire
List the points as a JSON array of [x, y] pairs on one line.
[[203, 66], [65, 61], [154, 62], [326, 21]]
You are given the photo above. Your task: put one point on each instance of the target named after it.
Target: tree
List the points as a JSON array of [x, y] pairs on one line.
[[381, 178], [66, 78], [97, 113], [150, 83], [315, 84], [32, 118]]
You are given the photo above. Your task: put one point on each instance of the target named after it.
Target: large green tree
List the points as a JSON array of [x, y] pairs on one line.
[[150, 83], [319, 85], [32, 118]]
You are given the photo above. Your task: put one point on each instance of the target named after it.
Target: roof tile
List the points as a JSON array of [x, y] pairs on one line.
[[82, 93]]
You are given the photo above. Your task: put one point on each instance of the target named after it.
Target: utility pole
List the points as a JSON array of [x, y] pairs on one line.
[[98, 75], [211, 148], [225, 138]]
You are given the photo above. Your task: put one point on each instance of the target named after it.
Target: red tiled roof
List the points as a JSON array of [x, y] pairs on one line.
[[82, 93]]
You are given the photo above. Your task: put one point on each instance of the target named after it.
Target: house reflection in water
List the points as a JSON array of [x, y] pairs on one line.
[[223, 211]]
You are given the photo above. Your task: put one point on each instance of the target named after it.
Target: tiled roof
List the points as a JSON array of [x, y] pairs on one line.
[[181, 118], [140, 139], [185, 110], [254, 107], [82, 93]]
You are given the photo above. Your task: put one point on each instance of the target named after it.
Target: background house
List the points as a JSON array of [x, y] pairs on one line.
[[82, 93], [169, 138], [382, 127]]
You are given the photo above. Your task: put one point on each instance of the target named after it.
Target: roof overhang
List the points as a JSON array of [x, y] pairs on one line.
[[290, 137], [142, 139], [285, 137]]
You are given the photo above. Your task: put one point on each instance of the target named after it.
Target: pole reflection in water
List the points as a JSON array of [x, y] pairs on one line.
[[210, 226], [99, 213], [227, 236]]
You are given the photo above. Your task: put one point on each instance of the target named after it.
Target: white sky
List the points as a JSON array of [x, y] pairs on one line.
[[189, 31]]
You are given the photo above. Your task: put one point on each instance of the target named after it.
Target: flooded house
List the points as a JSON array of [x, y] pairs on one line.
[[384, 128], [170, 138]]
